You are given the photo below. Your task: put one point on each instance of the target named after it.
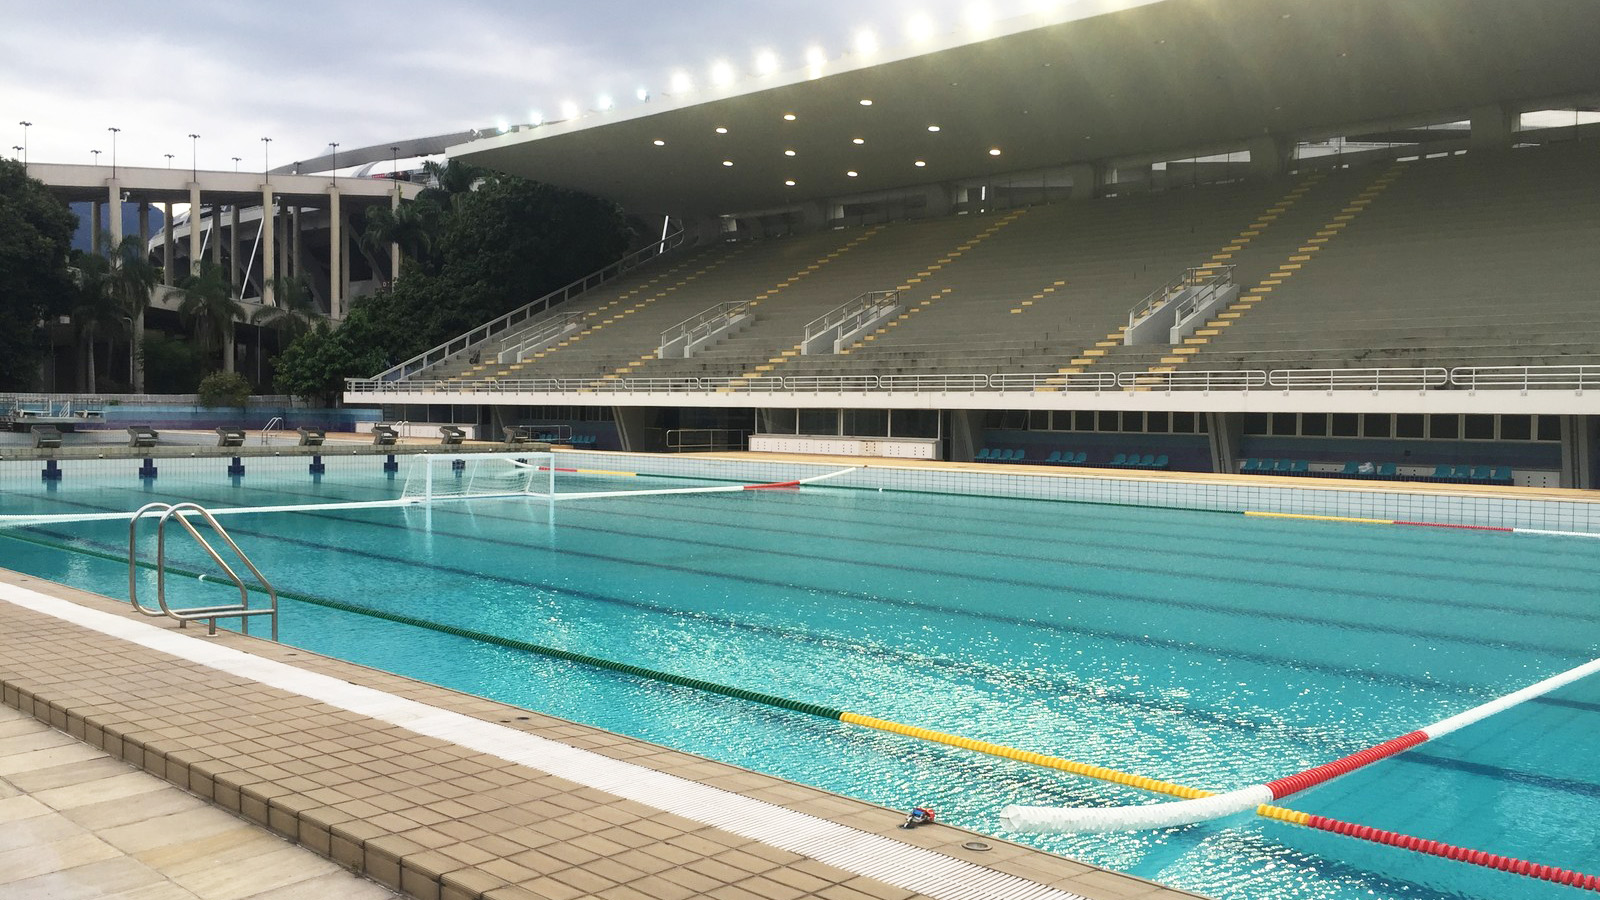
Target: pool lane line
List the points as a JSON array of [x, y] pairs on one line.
[[1209, 805], [1260, 514]]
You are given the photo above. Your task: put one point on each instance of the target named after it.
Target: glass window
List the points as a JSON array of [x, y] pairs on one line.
[[1444, 428], [1346, 425], [1516, 428], [1106, 420], [1158, 422], [866, 422], [1314, 424], [1083, 420], [1039, 420], [1184, 422], [1132, 420], [819, 421], [1375, 424], [1409, 425], [1255, 423], [1549, 428], [1479, 428], [917, 423], [1285, 424]]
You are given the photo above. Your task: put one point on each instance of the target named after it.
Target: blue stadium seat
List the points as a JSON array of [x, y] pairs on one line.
[[1300, 467], [1387, 470], [1147, 460], [1054, 457], [1481, 473], [1161, 461], [1083, 457], [1501, 474], [1282, 467], [1351, 468], [984, 455], [1020, 454], [1121, 459], [1443, 473], [1463, 473]]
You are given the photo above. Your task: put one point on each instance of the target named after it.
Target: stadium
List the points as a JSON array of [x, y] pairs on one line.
[[1088, 459]]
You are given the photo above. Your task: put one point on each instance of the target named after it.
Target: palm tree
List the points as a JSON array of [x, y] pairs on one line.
[[412, 226], [93, 308], [295, 313], [210, 308], [130, 282]]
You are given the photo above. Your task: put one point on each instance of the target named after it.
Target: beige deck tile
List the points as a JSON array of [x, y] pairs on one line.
[[282, 867], [13, 809], [68, 852], [93, 881], [32, 761]]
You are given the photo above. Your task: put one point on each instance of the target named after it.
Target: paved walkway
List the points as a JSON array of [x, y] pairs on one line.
[[75, 823]]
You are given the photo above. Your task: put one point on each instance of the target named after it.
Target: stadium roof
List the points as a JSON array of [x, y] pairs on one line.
[[1125, 78]]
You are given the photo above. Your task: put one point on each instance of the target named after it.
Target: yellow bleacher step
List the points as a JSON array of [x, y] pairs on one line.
[[1173, 359], [1108, 343], [1208, 332], [1070, 370], [1185, 351], [1228, 315], [1161, 370], [1094, 353], [1196, 340], [1082, 361]]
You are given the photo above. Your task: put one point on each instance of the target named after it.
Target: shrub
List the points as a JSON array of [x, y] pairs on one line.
[[224, 389]]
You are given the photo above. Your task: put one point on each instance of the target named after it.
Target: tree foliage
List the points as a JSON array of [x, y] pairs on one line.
[[224, 389], [476, 246], [35, 236]]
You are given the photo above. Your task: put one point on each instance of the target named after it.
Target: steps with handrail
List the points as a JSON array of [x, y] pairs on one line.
[[181, 512]]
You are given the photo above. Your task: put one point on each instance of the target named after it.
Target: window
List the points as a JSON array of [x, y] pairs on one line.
[[1313, 424], [1255, 423], [866, 422], [1444, 428], [1346, 425], [1106, 420], [917, 423], [819, 421], [1516, 428], [1039, 420], [1083, 420], [1285, 424], [1184, 422], [1549, 428], [1479, 428], [1158, 422], [1132, 420], [1409, 425], [1375, 424]]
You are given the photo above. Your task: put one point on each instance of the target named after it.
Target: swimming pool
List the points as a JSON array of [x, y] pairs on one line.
[[1208, 649]]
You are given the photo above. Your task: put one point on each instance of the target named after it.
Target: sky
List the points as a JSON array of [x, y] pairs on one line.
[[309, 73]]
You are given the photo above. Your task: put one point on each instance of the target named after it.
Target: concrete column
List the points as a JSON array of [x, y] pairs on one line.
[[239, 272], [344, 263], [138, 319], [214, 236], [1224, 431], [1085, 180], [1492, 128], [966, 433], [336, 259], [1269, 156], [95, 228], [1577, 451], [144, 223], [394, 249], [295, 268], [167, 271], [269, 257], [195, 219], [114, 212]]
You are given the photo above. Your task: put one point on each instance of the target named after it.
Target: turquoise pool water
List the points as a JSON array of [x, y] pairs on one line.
[[1209, 649]]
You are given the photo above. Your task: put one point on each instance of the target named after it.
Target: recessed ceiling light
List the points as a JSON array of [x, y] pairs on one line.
[[866, 102], [852, 173], [721, 130], [994, 151], [727, 162], [858, 140], [789, 183], [919, 164], [933, 128], [788, 117], [659, 142], [788, 153]]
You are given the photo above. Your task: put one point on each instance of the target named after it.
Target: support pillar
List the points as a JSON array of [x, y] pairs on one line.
[[1269, 156], [114, 212], [1085, 180], [239, 271], [966, 433], [1577, 451], [336, 259], [269, 256], [195, 218], [166, 244], [1224, 431], [95, 227], [295, 268], [1492, 128], [214, 236]]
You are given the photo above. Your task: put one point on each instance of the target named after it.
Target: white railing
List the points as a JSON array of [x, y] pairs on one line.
[[1526, 378], [850, 315], [703, 324], [543, 332], [1380, 379], [523, 314], [1219, 279], [1384, 379]]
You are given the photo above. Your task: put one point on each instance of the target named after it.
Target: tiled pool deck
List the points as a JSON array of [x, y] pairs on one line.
[[424, 815]]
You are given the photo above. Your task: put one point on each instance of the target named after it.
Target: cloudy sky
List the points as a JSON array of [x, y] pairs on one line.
[[306, 73]]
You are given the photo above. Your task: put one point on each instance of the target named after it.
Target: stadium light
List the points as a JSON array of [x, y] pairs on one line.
[[569, 110], [266, 164], [334, 162], [816, 60], [980, 19], [96, 156], [194, 157], [235, 164], [605, 103], [113, 131], [25, 126], [682, 83], [721, 73], [920, 28], [866, 42], [169, 159], [642, 94], [766, 62]]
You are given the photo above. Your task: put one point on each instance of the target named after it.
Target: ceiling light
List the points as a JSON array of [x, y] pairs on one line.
[[934, 128], [721, 130], [727, 162], [789, 183], [536, 118], [919, 164], [994, 151], [788, 117], [852, 173], [605, 103], [858, 140], [659, 142], [788, 153], [866, 102]]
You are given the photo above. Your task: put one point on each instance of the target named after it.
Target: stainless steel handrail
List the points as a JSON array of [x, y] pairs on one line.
[[1376, 379], [850, 313], [1526, 378], [541, 331], [275, 420], [703, 321], [240, 610]]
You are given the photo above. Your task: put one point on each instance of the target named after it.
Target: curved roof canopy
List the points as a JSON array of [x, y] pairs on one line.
[[1127, 78]]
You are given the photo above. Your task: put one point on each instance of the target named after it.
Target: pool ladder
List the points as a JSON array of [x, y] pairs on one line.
[[181, 512]]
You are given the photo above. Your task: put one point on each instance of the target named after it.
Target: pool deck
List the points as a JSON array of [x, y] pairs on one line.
[[377, 776]]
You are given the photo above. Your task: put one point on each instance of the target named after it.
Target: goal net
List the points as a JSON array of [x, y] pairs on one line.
[[431, 477]]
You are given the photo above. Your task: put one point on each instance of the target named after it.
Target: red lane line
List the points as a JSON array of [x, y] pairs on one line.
[[547, 468], [773, 486], [1463, 527], [1298, 782], [1459, 854]]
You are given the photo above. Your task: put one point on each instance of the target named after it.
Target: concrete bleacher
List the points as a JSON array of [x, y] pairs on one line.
[[1487, 260]]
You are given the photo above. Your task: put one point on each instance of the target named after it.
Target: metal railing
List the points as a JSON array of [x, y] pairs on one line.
[[1219, 279], [692, 440], [1526, 378], [1378, 379], [704, 323], [542, 332], [1191, 277], [267, 429], [522, 314], [1195, 380], [181, 513], [850, 315]]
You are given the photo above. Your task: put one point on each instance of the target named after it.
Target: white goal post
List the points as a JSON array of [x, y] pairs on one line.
[[451, 476]]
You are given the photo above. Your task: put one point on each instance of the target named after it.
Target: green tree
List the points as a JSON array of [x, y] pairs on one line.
[[172, 365], [315, 366], [210, 309], [95, 310], [295, 313], [130, 282], [35, 237], [224, 389]]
